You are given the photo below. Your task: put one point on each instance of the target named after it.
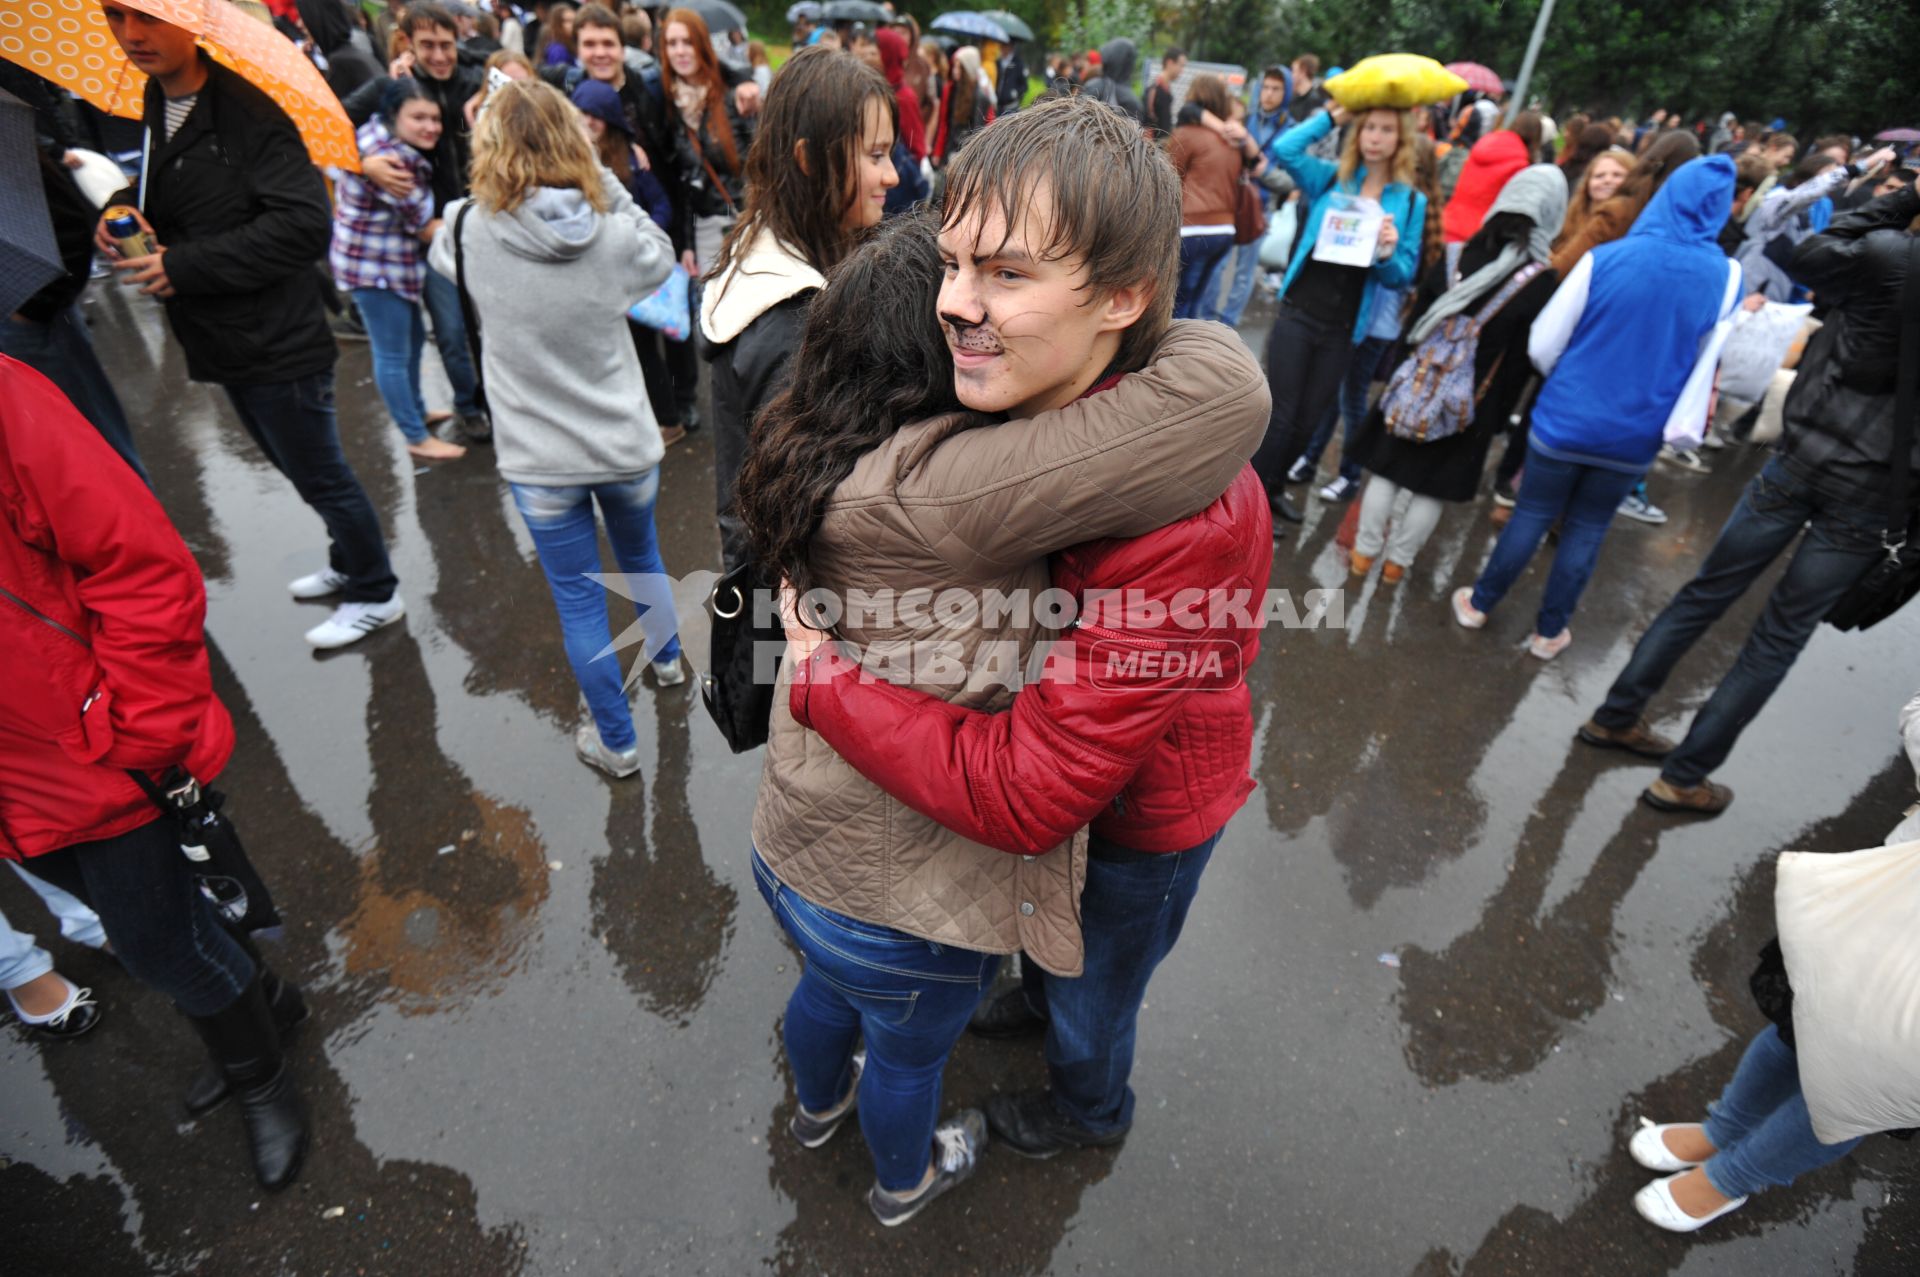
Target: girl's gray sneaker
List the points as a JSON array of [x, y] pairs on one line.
[[813, 1131], [617, 763], [957, 1145]]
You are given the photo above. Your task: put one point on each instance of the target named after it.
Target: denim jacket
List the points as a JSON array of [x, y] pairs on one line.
[[1318, 178]]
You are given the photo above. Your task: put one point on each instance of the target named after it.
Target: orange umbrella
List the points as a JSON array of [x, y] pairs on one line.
[[67, 41]]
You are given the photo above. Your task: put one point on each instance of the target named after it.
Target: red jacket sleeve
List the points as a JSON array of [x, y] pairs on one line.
[[69, 495], [1026, 779], [939, 151]]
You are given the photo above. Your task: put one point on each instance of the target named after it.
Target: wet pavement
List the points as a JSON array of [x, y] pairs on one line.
[[547, 1005]]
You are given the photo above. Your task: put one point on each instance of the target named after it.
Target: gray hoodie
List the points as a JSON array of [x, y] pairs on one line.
[[551, 282]]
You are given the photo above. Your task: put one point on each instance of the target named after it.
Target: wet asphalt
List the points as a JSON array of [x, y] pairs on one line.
[[547, 1005]]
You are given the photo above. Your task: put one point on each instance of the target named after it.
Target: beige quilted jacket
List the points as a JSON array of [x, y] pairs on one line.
[[941, 505]]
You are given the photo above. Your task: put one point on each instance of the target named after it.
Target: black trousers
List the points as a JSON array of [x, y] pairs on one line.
[[1306, 359]]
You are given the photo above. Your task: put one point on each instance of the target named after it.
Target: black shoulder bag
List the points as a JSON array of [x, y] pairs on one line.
[[1892, 582], [743, 663], [468, 315]]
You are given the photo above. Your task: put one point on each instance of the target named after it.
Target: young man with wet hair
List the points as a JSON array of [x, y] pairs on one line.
[[1060, 243]]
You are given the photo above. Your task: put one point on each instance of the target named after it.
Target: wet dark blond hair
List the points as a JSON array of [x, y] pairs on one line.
[[1400, 167], [1113, 201], [529, 138]]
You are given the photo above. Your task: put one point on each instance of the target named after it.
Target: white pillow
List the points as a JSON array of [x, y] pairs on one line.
[[1850, 932]]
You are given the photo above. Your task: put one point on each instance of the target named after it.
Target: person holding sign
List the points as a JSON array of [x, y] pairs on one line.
[[1357, 208]]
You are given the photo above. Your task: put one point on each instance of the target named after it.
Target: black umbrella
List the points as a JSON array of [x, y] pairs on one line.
[[719, 15], [855, 11], [29, 258]]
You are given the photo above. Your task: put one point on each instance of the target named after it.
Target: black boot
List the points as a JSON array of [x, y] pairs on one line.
[[246, 1047], [208, 1090]]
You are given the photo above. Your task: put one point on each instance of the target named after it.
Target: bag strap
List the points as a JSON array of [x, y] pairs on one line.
[[1906, 392], [1508, 291], [707, 164], [468, 315]]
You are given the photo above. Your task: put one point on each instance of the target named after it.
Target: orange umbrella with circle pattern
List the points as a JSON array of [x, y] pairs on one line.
[[67, 42]]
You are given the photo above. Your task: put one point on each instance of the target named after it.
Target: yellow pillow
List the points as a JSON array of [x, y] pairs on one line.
[[1398, 80]]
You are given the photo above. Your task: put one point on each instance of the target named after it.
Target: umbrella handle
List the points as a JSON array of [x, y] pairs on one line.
[[146, 154]]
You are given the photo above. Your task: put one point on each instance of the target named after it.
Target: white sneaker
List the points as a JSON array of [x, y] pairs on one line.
[[1464, 611], [617, 763], [1635, 506], [1545, 649], [1649, 1147], [318, 585], [1300, 471], [669, 673], [1684, 458], [1714, 442], [1339, 490], [1656, 1205], [352, 622]]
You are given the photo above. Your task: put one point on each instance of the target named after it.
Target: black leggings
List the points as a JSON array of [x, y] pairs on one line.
[[163, 930], [1306, 359]]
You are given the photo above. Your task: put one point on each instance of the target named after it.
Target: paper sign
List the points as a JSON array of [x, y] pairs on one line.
[[1350, 231]]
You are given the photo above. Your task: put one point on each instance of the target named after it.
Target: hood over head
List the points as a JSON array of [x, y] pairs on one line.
[[326, 21], [893, 54], [1539, 194], [1692, 205], [555, 223], [1493, 159], [1117, 59]]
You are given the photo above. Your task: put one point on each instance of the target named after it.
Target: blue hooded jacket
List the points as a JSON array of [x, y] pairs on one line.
[[1651, 298]]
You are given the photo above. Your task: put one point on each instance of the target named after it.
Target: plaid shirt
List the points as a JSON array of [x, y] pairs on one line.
[[375, 236]]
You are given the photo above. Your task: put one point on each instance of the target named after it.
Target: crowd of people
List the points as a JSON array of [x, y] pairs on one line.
[[1032, 386]]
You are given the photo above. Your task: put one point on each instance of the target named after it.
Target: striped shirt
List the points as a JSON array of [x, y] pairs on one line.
[[178, 109]]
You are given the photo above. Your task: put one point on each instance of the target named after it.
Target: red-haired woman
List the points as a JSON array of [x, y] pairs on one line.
[[711, 138]]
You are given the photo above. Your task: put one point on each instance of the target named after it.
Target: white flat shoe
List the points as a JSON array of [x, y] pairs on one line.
[[1656, 1205], [1649, 1147], [1464, 611]]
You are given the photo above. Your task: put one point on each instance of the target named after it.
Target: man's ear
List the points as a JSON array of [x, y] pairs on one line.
[[1125, 306]]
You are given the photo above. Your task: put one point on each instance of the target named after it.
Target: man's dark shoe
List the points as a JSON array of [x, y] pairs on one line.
[[474, 427], [1637, 739], [1284, 508], [1704, 799], [1032, 1125], [1008, 1016]]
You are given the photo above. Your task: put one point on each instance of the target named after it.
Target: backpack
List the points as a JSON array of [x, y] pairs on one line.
[[1431, 395]]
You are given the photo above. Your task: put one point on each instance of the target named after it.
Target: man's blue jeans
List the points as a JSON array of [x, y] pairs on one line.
[[1842, 543], [294, 424], [442, 297], [1760, 1124], [61, 350], [1352, 407], [910, 998], [1131, 913], [1200, 258], [397, 333], [1582, 499], [1245, 265], [561, 522]]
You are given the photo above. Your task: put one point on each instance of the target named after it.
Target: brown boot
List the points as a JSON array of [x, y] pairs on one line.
[[1704, 799], [1637, 739]]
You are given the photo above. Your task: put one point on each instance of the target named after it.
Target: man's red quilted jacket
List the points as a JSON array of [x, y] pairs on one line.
[[101, 632], [1154, 764]]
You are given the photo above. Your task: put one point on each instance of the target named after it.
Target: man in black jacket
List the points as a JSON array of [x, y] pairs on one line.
[[240, 220], [1833, 472], [433, 60]]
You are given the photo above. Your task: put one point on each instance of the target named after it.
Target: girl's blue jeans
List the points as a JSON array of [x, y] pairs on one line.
[[397, 334], [1760, 1124]]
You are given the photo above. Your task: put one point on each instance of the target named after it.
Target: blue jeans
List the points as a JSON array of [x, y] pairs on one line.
[[397, 333], [1200, 258], [561, 522], [1582, 499], [442, 297], [61, 350], [1352, 407], [163, 930], [294, 424], [1841, 544], [1245, 266], [1131, 913], [1760, 1124], [910, 998]]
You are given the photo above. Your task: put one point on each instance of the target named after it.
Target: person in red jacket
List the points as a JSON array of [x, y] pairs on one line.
[[1152, 752], [102, 612]]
